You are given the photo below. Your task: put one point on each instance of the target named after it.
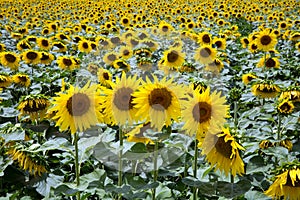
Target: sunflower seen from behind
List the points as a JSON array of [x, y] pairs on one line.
[[77, 109], [157, 101], [222, 152], [119, 100]]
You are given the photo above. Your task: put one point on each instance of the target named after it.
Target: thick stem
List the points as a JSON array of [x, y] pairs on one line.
[[195, 190], [155, 171], [77, 167], [232, 183], [120, 161]]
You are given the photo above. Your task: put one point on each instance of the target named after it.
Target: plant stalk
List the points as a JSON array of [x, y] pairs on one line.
[[195, 190], [155, 171], [77, 167], [120, 162]]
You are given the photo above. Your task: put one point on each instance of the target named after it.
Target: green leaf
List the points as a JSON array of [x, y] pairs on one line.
[[256, 195], [43, 187]]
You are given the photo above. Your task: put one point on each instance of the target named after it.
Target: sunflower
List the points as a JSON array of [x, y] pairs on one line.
[[253, 46], [137, 134], [158, 102], [66, 62], [132, 42], [144, 64], [222, 151], [265, 90], [246, 78], [31, 57], [34, 105], [204, 38], [125, 52], [205, 54], [77, 109], [245, 42], [204, 112], [173, 57], [21, 79], [285, 107], [125, 21], [59, 47], [264, 144], [26, 162], [119, 100], [286, 143], [165, 28], [266, 40], [46, 58], [104, 77], [2, 47], [5, 80], [84, 46], [268, 62], [10, 59], [23, 44], [150, 44], [286, 185], [220, 43], [297, 46], [44, 43], [110, 57], [216, 66], [292, 93], [121, 64]]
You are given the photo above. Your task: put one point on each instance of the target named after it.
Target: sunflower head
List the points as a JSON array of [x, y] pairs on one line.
[[22, 80], [205, 54], [5, 80], [104, 77], [247, 78], [265, 89], [285, 107]]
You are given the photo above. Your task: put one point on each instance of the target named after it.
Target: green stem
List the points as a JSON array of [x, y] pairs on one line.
[[120, 161], [77, 167], [232, 182], [235, 115], [195, 190], [155, 171], [278, 128]]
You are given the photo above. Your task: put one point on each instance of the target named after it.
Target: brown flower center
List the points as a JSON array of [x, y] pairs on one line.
[[22, 79], [223, 147], [160, 99], [112, 57], [85, 45], [218, 44], [126, 52], [265, 40], [202, 112], [123, 99], [10, 58], [172, 56], [205, 52], [45, 56], [206, 38], [125, 21], [106, 76], [270, 63], [45, 43], [31, 55], [78, 104], [67, 62], [165, 28], [134, 42]]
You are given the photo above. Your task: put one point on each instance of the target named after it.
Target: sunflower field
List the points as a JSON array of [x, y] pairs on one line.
[[155, 100]]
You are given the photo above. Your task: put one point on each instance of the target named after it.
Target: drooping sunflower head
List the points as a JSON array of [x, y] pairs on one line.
[[247, 78], [158, 101], [34, 105], [291, 93], [287, 182], [222, 152], [265, 90], [77, 109], [22, 80], [205, 54]]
